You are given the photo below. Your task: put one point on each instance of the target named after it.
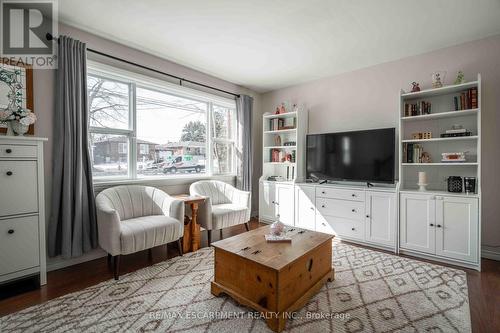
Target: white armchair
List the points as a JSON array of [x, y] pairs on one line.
[[135, 218], [225, 206]]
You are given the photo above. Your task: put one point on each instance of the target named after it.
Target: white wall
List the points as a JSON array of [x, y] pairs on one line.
[[44, 96], [369, 98]]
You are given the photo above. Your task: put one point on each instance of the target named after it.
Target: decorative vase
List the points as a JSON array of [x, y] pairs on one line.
[[18, 128], [10, 132], [277, 227]]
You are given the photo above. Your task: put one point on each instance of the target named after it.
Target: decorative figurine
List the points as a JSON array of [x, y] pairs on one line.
[[277, 140], [437, 79], [295, 108], [415, 87], [282, 108], [426, 157], [460, 78], [277, 110]]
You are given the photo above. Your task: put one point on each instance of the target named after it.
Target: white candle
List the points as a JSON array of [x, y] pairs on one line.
[[422, 177]]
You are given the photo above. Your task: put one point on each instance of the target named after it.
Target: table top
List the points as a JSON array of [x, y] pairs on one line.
[[190, 198], [253, 245]]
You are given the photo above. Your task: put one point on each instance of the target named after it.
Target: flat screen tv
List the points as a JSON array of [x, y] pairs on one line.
[[358, 156]]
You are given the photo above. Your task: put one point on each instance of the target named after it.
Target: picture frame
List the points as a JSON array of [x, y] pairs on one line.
[[16, 81]]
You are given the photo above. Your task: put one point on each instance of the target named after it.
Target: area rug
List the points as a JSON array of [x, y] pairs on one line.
[[372, 292]]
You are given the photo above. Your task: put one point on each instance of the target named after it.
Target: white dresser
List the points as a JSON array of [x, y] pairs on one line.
[[22, 208]]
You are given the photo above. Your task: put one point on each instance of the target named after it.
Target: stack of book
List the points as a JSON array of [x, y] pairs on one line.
[[417, 109], [412, 153], [466, 100], [456, 132]]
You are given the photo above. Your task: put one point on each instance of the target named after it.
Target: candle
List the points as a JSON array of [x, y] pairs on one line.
[[422, 177]]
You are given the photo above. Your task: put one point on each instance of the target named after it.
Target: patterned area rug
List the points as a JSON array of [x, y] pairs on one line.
[[372, 292]]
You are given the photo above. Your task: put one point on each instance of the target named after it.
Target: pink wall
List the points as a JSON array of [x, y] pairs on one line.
[[369, 98]]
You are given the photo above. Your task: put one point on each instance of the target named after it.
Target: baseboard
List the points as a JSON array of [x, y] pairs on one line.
[[490, 253], [59, 262]]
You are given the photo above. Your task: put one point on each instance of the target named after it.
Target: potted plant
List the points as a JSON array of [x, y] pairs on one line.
[[17, 120]]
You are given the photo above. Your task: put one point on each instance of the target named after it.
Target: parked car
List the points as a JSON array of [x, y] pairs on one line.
[[186, 163]]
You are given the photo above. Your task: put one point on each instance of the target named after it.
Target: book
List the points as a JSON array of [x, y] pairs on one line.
[[278, 239]]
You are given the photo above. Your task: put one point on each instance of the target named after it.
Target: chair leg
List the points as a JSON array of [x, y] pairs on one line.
[[220, 234], [209, 236], [179, 246], [247, 226], [116, 260]]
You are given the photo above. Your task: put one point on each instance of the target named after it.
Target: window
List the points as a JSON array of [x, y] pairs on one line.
[[142, 127]]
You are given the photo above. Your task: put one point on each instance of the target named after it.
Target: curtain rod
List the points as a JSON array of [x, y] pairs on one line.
[[50, 37]]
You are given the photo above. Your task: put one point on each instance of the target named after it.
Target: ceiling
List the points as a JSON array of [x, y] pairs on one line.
[[269, 44]]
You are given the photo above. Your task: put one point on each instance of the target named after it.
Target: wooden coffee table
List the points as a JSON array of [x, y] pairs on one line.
[[273, 278]]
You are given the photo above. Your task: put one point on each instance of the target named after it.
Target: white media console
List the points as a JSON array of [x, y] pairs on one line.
[[434, 225], [355, 213]]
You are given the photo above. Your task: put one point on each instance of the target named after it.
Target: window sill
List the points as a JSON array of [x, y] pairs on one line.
[[162, 181]]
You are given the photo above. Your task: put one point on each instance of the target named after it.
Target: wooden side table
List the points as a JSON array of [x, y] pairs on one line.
[[191, 239]]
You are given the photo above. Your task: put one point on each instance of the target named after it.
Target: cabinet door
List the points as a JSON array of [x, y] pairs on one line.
[[380, 210], [417, 220], [305, 210], [267, 207], [457, 228], [18, 184], [285, 203]]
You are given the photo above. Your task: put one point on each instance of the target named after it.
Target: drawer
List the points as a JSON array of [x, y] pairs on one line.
[[19, 244], [341, 227], [341, 208], [16, 151], [335, 193], [20, 178]]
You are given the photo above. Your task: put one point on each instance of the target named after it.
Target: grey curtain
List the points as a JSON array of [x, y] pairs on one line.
[[244, 105], [72, 225]]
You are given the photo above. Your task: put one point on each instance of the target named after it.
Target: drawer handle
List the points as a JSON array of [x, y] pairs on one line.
[[10, 232], [322, 206], [354, 210], [353, 229], [367, 215], [432, 224], [438, 225], [353, 195], [312, 208], [8, 150], [323, 224], [9, 173]]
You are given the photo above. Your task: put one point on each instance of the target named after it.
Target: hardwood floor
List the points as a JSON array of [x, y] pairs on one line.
[[484, 287]]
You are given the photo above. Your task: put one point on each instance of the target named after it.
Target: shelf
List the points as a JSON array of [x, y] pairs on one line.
[[447, 114], [440, 91], [281, 163], [281, 131], [281, 115], [456, 138], [440, 164], [280, 147], [440, 192]]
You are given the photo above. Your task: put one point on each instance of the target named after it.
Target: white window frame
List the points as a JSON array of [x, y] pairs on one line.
[[134, 80], [229, 141]]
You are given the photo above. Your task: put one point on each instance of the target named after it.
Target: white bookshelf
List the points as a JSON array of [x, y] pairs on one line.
[[296, 140], [442, 117]]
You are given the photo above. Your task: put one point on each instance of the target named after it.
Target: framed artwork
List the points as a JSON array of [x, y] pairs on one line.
[[16, 88]]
